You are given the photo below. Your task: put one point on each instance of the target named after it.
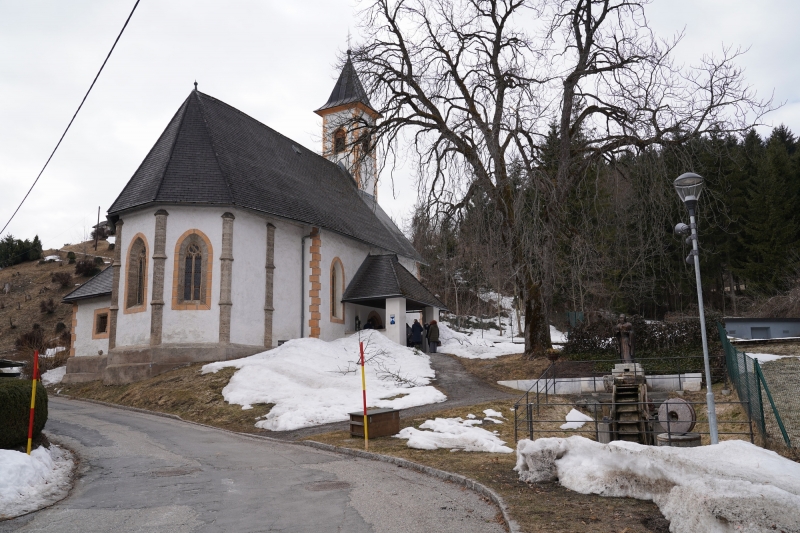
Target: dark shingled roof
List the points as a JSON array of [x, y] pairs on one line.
[[213, 154], [100, 285], [382, 276], [348, 89]]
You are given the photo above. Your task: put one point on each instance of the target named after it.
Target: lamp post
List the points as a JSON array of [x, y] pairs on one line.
[[689, 186]]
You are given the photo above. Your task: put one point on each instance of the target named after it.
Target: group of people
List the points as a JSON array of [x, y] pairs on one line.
[[416, 332]]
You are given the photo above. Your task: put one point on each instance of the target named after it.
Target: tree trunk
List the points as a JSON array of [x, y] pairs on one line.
[[537, 326]]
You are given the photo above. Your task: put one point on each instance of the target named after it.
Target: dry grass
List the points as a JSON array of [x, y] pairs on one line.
[[506, 367], [789, 348], [540, 507], [19, 309], [184, 392]]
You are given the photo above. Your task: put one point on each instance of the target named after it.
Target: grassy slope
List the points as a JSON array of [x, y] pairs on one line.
[[184, 392]]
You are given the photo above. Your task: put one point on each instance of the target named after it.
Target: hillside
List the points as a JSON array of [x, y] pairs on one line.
[[31, 283]]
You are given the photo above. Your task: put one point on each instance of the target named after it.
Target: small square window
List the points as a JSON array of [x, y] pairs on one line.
[[101, 325]]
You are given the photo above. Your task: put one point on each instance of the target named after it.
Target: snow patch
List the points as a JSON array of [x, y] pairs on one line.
[[453, 434], [30, 482], [486, 344], [51, 377], [767, 357], [314, 382], [576, 420], [731, 486]]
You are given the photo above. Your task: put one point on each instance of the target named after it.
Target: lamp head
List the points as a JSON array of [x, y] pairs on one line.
[[688, 186]]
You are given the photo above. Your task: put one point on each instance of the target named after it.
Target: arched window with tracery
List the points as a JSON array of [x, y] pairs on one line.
[[192, 275], [339, 141], [136, 275], [336, 291]]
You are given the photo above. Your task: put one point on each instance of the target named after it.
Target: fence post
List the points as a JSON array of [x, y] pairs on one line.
[[772, 403]]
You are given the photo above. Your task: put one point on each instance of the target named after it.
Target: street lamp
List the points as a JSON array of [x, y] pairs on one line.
[[689, 186]]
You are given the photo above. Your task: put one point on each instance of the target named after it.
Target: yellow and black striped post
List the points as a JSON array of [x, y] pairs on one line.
[[34, 377]]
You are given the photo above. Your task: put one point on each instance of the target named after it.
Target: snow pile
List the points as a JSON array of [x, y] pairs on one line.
[[51, 377], [731, 486], [576, 420], [30, 482], [51, 352], [486, 344], [453, 434], [52, 258], [314, 382]]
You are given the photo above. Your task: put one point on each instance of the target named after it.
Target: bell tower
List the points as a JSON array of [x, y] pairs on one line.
[[345, 139]]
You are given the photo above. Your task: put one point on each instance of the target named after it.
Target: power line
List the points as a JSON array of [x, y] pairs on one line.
[[73, 117]]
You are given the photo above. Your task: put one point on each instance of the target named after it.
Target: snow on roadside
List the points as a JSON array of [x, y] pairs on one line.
[[30, 482], [731, 486], [314, 382], [51, 377], [453, 434]]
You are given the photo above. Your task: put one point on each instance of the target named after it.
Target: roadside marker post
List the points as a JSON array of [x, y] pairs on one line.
[[364, 393], [34, 377]]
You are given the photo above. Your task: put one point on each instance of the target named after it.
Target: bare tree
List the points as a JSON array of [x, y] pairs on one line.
[[475, 86]]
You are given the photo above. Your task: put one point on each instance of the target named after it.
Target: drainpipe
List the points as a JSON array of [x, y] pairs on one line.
[[303, 285]]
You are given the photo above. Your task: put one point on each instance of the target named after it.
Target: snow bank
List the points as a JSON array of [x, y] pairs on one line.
[[30, 482], [576, 420], [732, 486], [51, 377], [314, 382], [486, 344], [453, 434]]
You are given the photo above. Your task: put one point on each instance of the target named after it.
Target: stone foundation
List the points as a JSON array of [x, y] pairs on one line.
[[127, 364]]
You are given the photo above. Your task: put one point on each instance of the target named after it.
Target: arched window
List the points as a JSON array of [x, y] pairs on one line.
[[136, 275], [339, 141], [192, 275], [337, 289]]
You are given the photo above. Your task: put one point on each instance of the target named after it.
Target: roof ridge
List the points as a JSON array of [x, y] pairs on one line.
[[210, 133]]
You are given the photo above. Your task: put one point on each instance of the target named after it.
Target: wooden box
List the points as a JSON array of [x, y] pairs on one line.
[[380, 423]]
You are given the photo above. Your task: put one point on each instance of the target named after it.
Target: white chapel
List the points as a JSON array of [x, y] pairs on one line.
[[232, 238]]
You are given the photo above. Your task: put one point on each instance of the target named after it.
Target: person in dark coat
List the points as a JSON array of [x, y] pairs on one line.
[[433, 336], [416, 333], [408, 335]]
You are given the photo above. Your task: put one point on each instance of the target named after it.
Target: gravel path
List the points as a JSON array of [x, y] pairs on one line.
[[145, 473], [783, 378], [460, 387]]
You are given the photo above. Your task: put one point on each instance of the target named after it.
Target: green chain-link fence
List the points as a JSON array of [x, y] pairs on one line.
[[746, 375]]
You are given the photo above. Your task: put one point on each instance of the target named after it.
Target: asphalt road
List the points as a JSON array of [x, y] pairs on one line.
[[144, 473]]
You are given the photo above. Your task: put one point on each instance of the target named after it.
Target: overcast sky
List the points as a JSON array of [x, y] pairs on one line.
[[274, 60]]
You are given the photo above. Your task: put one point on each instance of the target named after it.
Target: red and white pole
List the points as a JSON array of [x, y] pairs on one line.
[[364, 392], [34, 377]]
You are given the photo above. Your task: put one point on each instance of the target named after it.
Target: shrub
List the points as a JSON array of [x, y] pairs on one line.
[[100, 232], [86, 267], [15, 404], [99, 261], [62, 278], [71, 257], [60, 326], [33, 340], [47, 306]]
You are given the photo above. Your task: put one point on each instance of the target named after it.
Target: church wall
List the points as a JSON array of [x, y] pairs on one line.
[[286, 286], [134, 328], [182, 326], [249, 274], [351, 253], [84, 326]]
